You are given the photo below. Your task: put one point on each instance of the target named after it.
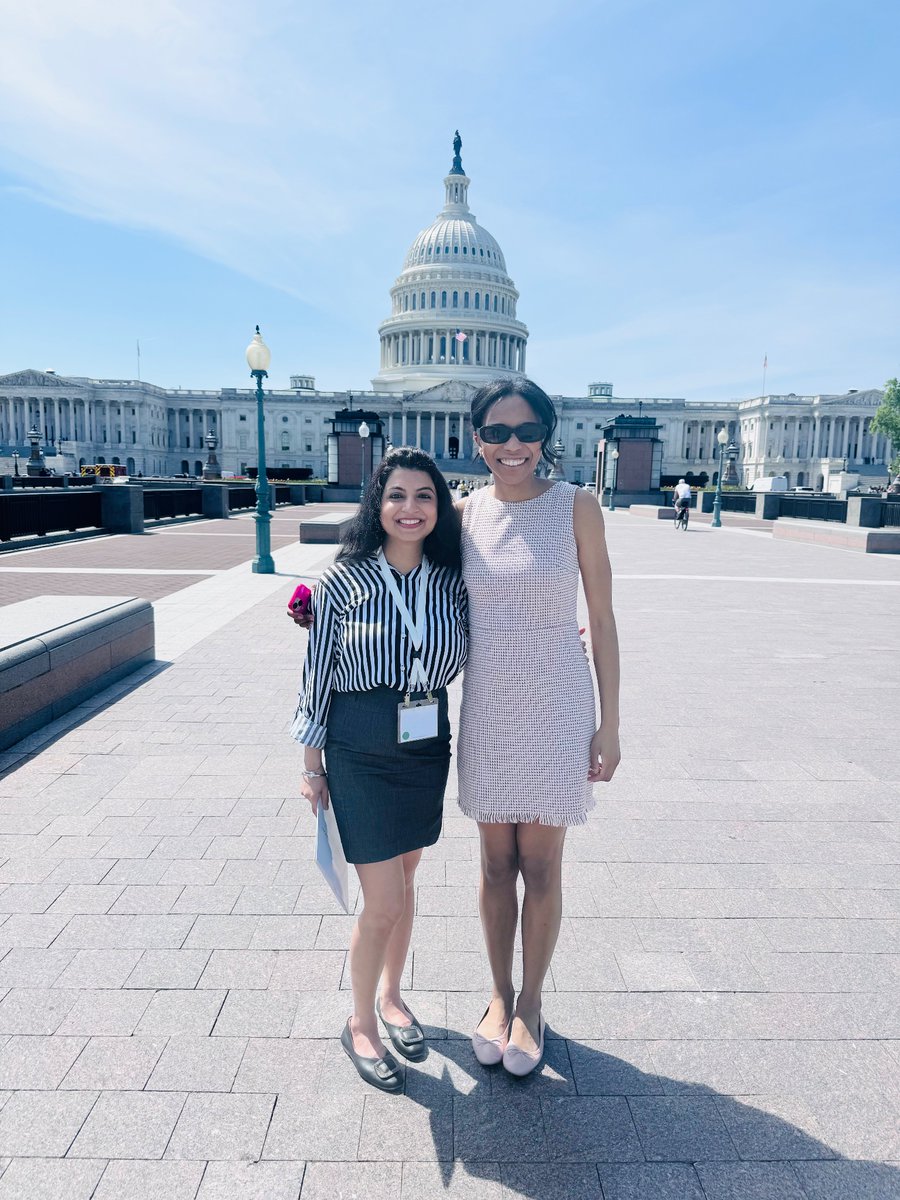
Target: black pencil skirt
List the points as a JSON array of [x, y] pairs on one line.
[[388, 798]]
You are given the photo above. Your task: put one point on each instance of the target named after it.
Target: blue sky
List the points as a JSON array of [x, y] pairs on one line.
[[679, 189]]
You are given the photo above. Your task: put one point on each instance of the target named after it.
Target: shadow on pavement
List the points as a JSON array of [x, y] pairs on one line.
[[589, 1120]]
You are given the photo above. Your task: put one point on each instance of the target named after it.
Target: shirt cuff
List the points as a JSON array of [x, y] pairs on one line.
[[305, 730]]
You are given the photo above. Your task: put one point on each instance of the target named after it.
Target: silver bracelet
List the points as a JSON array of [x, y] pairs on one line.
[[313, 774]]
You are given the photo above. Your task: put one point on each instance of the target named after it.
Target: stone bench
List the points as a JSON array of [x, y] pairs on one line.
[[325, 529], [57, 651], [834, 533], [652, 511]]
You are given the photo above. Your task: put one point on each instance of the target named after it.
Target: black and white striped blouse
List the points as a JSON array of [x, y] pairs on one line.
[[357, 641]]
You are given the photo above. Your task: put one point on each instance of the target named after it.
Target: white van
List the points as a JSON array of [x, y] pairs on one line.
[[771, 483]]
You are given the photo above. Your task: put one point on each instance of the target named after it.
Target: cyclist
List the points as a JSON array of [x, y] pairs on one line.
[[682, 499]]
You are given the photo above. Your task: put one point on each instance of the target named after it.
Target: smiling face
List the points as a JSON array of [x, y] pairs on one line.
[[409, 508], [511, 463]]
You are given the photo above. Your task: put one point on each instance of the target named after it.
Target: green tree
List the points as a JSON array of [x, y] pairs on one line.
[[887, 420]]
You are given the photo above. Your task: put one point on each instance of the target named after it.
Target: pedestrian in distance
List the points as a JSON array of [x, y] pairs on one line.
[[388, 632], [529, 748]]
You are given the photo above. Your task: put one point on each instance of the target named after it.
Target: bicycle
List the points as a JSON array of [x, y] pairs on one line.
[[681, 516]]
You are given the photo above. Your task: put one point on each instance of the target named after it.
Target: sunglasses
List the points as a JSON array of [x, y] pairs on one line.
[[496, 435]]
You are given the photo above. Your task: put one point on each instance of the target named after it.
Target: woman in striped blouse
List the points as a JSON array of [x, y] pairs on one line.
[[389, 621]]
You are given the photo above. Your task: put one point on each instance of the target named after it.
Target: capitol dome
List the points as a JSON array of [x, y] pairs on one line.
[[453, 313]]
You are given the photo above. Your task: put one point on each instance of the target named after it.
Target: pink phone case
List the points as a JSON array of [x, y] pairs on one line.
[[299, 602]]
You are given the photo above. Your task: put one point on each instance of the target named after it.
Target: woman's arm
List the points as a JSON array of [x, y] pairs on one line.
[[596, 575], [310, 719]]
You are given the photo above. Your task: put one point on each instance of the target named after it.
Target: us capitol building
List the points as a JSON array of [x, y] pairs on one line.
[[453, 325]]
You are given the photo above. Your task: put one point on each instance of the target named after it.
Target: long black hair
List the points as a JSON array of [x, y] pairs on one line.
[[486, 397], [365, 533]]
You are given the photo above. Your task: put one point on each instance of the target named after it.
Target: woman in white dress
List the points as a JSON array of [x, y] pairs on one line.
[[529, 748]]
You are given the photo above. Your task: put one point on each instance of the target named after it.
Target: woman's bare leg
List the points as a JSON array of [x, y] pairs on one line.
[[392, 1005], [540, 849], [384, 894], [499, 906]]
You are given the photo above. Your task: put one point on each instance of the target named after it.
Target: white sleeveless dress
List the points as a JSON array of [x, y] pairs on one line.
[[528, 696]]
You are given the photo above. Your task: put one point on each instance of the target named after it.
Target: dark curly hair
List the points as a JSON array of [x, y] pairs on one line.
[[365, 533], [486, 397]]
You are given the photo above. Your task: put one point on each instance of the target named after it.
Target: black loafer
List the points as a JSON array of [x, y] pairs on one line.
[[382, 1073], [408, 1040]]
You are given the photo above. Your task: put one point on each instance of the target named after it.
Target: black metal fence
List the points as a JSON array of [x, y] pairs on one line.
[[890, 513], [51, 481], [744, 502], [172, 502], [41, 512], [813, 508], [241, 497]]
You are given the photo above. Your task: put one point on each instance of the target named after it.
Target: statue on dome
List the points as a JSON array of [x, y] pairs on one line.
[[457, 167]]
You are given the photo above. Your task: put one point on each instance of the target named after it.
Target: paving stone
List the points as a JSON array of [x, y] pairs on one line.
[[588, 971], [681, 1129], [36, 968], [502, 1130], [453, 1180], [181, 1012], [650, 1181], [842, 1180], [222, 1127], [750, 1181], [115, 1063], [307, 970], [459, 971], [351, 1181], [168, 969], [35, 1010], [99, 969], [37, 1063], [150, 1181], [42, 1124], [557, 1182], [50, 1179], [590, 1129], [681, 1066], [84, 898], [290, 933], [222, 933], [257, 1014], [128, 1125], [614, 1068], [252, 1181], [197, 1064], [274, 900], [773, 1128], [106, 1013], [147, 898], [238, 969], [36, 931], [328, 1129]]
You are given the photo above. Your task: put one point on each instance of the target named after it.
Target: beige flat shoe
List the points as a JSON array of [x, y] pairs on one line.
[[522, 1062], [489, 1051]]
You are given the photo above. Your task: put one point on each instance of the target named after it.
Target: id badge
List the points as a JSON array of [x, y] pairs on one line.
[[417, 720]]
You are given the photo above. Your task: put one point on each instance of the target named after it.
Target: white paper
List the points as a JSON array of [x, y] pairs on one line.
[[330, 857]]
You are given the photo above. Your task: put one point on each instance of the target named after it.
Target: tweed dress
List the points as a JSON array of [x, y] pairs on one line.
[[528, 696]]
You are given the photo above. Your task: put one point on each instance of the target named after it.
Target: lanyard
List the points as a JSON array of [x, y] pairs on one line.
[[416, 630]]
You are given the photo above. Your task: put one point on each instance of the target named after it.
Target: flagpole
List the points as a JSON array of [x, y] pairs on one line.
[[139, 359], [765, 368]]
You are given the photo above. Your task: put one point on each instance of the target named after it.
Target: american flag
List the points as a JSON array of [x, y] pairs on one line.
[[460, 336]]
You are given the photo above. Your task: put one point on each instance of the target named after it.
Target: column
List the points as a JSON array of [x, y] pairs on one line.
[[403, 438], [446, 434], [795, 448], [419, 430], [845, 439], [830, 450], [431, 446]]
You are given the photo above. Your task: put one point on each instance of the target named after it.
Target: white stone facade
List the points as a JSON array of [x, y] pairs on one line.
[[454, 280]]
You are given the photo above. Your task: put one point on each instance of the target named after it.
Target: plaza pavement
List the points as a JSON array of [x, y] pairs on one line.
[[723, 1004]]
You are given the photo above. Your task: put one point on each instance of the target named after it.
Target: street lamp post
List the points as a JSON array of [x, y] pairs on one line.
[[15, 455], [212, 470], [364, 432], [614, 455], [258, 358], [35, 464], [721, 438]]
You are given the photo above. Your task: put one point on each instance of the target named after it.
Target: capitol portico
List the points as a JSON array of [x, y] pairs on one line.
[[453, 325]]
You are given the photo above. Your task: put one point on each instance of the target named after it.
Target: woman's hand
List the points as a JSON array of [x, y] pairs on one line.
[[315, 790], [303, 619], [605, 755]]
